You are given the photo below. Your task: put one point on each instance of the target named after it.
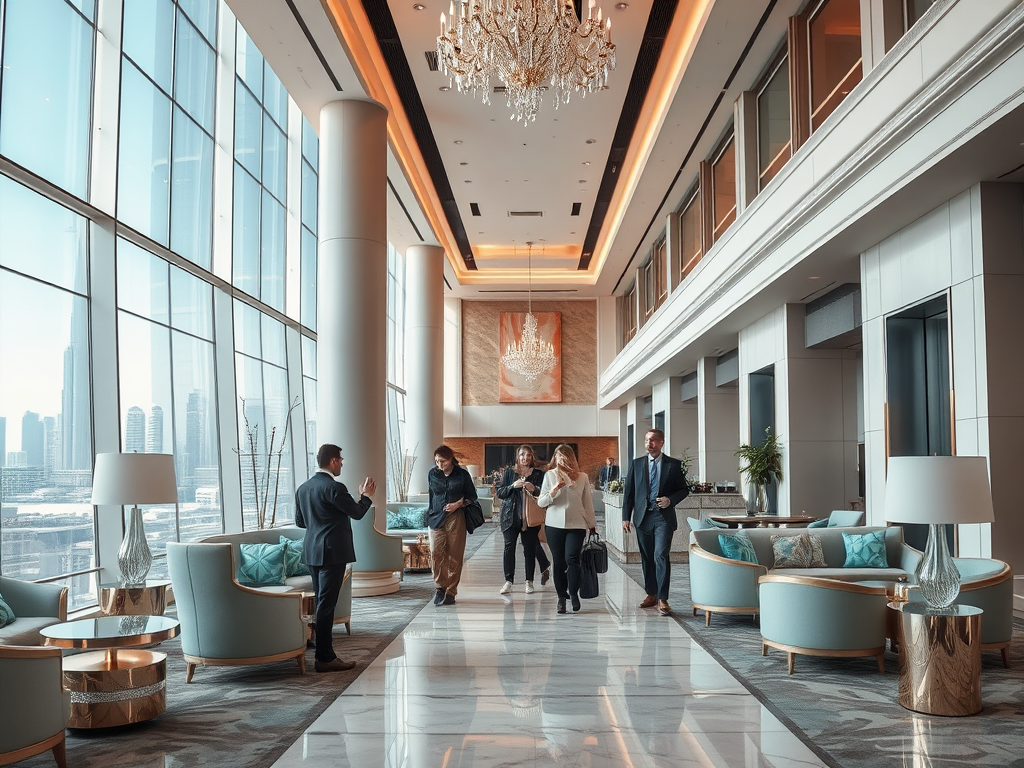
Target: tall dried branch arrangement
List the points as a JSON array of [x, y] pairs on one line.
[[261, 476]]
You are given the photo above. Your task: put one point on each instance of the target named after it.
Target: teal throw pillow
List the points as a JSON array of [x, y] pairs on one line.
[[865, 550], [293, 565], [791, 551], [6, 613], [697, 525], [407, 518], [823, 523], [737, 546], [262, 565]]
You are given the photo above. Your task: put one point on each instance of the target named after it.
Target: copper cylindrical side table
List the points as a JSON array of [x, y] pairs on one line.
[[940, 659], [149, 599]]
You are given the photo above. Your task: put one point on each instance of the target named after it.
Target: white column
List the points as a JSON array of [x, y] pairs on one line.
[[424, 353], [718, 423], [352, 292]]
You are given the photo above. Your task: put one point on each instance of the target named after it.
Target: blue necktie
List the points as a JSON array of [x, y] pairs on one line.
[[652, 494]]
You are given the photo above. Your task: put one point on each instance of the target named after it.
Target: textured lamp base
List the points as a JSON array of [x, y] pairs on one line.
[[134, 557], [937, 574]]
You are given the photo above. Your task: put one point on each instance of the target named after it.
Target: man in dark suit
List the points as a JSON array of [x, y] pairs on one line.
[[323, 506], [655, 483], [609, 472]]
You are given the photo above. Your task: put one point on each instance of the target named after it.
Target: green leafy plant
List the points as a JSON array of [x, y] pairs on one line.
[[764, 460]]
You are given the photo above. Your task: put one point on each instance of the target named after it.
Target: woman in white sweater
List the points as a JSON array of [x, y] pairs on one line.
[[566, 497]]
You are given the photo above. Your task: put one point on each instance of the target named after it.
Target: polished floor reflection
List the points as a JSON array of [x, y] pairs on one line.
[[499, 681]]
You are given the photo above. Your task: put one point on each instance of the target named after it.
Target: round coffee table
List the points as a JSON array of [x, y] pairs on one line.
[[119, 684]]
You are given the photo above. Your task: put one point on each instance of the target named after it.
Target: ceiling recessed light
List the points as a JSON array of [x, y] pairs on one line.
[[468, 181], [583, 181], [618, 6], [586, 162], [422, 7], [591, 141], [814, 277], [463, 163], [444, 88], [458, 141]]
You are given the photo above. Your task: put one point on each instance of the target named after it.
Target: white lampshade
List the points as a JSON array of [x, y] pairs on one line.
[[938, 489], [134, 478]]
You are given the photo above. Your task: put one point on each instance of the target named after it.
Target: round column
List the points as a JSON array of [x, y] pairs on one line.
[[352, 295], [424, 354]]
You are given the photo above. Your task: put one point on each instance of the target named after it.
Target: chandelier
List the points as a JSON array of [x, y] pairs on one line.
[[530, 357], [530, 46]]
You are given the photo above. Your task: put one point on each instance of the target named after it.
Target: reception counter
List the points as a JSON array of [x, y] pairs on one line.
[[699, 505]]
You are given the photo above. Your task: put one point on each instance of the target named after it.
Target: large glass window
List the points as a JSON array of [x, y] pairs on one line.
[[310, 160], [167, 390], [774, 145], [165, 163], [628, 318], [308, 347], [835, 56], [264, 414], [261, 164], [46, 89], [723, 182], [47, 523], [690, 242]]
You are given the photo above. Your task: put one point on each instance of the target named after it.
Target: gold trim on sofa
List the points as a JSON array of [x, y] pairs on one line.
[[54, 743], [701, 552], [192, 661], [709, 609], [820, 581], [792, 650]]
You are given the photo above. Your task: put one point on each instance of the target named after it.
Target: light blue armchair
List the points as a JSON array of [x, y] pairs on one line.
[[34, 707], [36, 606], [378, 558], [822, 617], [224, 623], [840, 518]]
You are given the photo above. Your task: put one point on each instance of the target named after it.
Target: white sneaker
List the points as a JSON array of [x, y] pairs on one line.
[[529, 587], [505, 589]]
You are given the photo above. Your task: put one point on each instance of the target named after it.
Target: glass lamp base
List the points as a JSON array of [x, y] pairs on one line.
[[134, 557], [937, 574]]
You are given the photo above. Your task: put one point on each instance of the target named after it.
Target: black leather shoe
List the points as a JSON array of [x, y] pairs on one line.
[[575, 603], [545, 575], [561, 607], [439, 595], [448, 600], [334, 665]]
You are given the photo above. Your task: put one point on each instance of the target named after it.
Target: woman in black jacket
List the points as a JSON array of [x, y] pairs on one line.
[[521, 477], [451, 489]]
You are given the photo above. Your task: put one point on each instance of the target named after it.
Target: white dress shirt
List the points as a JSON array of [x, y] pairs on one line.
[[569, 507]]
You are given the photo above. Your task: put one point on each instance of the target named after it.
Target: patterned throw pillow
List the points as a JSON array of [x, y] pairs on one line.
[[865, 550], [817, 554], [262, 565], [6, 613], [293, 565], [791, 551], [407, 518], [737, 546]]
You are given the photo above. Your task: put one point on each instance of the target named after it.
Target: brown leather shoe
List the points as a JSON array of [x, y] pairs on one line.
[[334, 665], [649, 602], [663, 608]]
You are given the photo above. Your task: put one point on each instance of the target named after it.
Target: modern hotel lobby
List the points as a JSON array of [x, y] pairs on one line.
[[776, 244]]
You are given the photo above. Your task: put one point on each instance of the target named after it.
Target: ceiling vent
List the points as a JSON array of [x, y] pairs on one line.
[[431, 57], [500, 89], [576, 209], [475, 209], [514, 214]]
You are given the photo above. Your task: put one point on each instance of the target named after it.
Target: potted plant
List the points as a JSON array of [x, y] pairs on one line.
[[613, 492], [764, 463]]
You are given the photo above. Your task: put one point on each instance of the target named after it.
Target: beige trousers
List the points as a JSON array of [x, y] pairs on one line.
[[448, 550]]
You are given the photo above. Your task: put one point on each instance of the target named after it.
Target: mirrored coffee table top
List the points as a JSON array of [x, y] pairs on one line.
[[111, 632]]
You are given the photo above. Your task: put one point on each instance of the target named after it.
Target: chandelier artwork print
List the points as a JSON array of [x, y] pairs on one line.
[[530, 46]]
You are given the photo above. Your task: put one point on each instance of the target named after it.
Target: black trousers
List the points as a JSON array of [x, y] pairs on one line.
[[533, 551], [327, 581], [566, 545]]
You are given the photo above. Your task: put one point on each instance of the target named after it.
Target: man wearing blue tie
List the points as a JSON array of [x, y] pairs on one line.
[[655, 483]]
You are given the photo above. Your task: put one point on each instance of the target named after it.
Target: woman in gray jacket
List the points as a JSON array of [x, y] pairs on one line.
[[522, 477]]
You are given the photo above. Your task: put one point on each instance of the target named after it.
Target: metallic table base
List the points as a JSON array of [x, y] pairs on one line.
[[110, 688], [940, 662], [148, 600]]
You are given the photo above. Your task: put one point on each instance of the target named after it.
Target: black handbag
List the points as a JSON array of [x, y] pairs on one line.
[[474, 516], [595, 551], [590, 587]]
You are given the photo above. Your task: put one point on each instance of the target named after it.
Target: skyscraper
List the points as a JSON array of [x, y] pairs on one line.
[[196, 452], [135, 431], [32, 438], [51, 445], [76, 416], [155, 432]]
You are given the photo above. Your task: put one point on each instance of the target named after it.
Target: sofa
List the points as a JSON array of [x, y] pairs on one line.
[[721, 585], [297, 584], [35, 607], [34, 707]]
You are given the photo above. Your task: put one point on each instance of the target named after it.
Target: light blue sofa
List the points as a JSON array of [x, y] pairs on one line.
[[224, 623], [379, 557], [822, 617], [721, 585], [297, 584], [36, 607], [34, 707]]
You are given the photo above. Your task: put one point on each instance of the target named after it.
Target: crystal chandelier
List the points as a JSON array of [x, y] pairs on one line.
[[530, 45], [530, 357]]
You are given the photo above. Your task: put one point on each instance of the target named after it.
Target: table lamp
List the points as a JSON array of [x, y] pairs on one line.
[[938, 491], [134, 478]]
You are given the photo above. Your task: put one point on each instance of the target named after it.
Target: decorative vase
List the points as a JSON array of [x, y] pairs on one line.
[[762, 499], [937, 574], [134, 557]]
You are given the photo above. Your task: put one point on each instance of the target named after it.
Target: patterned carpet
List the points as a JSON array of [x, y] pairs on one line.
[[849, 714], [246, 717]]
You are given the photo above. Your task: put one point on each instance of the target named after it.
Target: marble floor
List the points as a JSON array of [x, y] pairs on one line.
[[504, 681]]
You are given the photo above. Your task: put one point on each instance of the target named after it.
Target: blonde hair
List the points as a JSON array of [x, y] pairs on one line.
[[568, 468]]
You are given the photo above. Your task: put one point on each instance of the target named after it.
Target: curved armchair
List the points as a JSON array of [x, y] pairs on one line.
[[380, 560], [34, 707], [224, 623], [36, 605], [721, 585], [822, 617]]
